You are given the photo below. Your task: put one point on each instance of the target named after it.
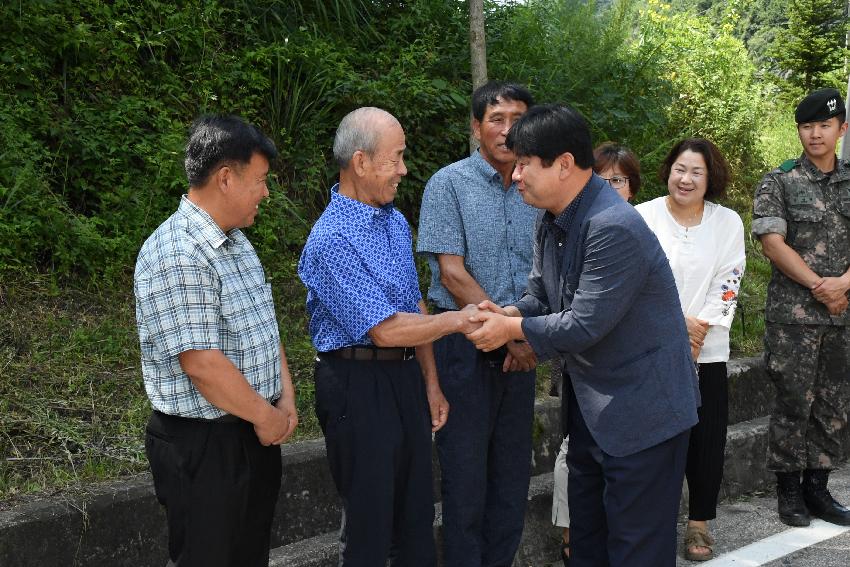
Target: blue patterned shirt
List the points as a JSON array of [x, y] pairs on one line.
[[198, 288], [466, 211], [358, 269]]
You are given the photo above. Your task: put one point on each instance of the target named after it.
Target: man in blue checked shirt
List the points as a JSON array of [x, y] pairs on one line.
[[378, 397], [477, 234], [212, 362]]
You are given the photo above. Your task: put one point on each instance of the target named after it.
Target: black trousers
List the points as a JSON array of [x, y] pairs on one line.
[[485, 455], [377, 427], [219, 486], [704, 470], [623, 510]]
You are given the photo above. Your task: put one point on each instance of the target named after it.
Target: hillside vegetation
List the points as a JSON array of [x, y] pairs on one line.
[[96, 98]]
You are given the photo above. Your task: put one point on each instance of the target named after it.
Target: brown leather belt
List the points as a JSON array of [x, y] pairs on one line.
[[372, 353]]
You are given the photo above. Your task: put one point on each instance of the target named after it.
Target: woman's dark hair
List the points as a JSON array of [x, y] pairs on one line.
[[549, 130], [716, 167], [215, 141], [609, 154]]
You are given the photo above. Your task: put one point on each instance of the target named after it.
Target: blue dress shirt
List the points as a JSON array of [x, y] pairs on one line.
[[466, 211], [358, 268]]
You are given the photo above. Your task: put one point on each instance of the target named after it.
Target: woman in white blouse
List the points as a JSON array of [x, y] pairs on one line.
[[704, 243]]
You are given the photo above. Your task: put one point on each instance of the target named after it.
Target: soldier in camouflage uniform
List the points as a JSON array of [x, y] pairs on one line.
[[801, 214]]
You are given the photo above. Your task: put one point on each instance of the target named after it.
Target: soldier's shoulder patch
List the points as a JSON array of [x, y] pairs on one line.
[[788, 165]]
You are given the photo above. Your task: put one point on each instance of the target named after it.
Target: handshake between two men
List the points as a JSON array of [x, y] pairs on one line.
[[489, 326]]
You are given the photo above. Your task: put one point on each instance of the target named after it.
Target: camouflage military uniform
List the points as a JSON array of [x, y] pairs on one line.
[[807, 350]]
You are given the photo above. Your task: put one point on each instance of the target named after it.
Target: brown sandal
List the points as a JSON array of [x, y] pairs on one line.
[[698, 537]]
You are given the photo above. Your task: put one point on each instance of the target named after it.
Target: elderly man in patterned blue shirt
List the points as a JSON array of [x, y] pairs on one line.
[[212, 362], [374, 393], [477, 234]]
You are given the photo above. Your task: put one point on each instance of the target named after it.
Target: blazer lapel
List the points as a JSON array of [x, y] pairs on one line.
[[591, 192]]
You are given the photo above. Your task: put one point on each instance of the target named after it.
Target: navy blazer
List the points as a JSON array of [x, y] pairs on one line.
[[613, 314]]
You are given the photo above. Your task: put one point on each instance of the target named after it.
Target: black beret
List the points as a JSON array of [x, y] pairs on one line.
[[820, 105]]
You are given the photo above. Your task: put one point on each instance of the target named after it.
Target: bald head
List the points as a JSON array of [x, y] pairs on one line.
[[360, 130]]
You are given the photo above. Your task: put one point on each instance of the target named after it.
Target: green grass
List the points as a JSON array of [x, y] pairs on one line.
[[72, 403]]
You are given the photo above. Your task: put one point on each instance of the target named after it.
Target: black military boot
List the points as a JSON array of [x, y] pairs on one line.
[[819, 501], [789, 495]]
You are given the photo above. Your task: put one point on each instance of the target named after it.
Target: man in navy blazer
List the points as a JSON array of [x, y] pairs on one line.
[[602, 296]]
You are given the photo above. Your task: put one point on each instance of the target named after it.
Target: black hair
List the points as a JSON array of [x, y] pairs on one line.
[[490, 93], [715, 164], [216, 141], [549, 130]]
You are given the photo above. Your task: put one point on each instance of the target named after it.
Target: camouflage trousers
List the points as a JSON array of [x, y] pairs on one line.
[[810, 367]]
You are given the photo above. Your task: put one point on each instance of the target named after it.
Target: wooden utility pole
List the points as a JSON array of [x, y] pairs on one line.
[[478, 52]]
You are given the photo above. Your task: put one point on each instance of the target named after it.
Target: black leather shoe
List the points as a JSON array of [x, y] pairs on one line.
[[789, 496], [819, 501]]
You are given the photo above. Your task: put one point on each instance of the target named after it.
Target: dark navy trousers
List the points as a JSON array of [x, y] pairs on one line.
[[485, 455], [623, 510], [377, 427]]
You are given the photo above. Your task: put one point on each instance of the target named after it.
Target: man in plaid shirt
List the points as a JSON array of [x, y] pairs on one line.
[[212, 362]]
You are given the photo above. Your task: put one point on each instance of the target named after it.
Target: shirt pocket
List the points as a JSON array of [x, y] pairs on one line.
[[248, 311], [801, 204], [844, 200]]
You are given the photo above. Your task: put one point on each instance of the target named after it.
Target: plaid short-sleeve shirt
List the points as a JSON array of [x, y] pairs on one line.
[[198, 288]]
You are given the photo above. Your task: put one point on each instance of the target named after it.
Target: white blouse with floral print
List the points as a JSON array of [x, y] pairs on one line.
[[708, 263]]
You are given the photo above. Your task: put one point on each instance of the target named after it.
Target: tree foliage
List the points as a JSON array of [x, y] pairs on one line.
[[642, 73], [95, 99], [813, 46]]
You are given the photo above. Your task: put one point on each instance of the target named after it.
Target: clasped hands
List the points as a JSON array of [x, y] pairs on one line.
[[832, 292], [697, 330], [489, 326], [278, 423]]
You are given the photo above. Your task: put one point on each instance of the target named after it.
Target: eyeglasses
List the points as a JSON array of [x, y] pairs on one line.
[[617, 181]]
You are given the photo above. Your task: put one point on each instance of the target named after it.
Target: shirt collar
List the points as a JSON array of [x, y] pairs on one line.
[[485, 169], [357, 211], [205, 226], [565, 220], [810, 168], [840, 171]]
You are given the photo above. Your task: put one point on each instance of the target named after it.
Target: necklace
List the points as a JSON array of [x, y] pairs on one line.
[[689, 220]]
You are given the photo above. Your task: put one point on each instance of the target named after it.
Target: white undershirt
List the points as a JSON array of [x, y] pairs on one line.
[[708, 263]]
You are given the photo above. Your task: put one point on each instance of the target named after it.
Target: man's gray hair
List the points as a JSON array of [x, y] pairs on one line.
[[357, 131]]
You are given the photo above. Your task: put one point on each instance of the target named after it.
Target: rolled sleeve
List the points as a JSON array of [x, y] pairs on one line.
[[770, 225], [180, 306], [440, 222], [769, 214]]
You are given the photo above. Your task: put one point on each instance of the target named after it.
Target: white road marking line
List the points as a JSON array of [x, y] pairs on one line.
[[778, 545]]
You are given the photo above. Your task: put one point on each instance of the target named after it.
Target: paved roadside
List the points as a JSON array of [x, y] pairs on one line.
[[742, 527], [749, 534]]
